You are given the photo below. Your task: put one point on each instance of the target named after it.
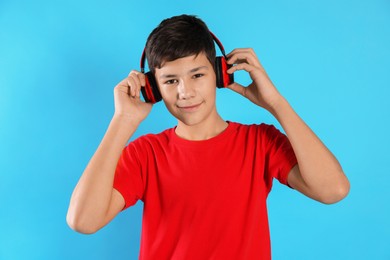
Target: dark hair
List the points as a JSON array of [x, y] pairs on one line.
[[178, 37]]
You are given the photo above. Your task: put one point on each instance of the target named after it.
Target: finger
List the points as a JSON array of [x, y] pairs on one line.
[[242, 66], [137, 86], [131, 84], [142, 80], [243, 57], [239, 50], [237, 88], [134, 72], [248, 52], [138, 77]]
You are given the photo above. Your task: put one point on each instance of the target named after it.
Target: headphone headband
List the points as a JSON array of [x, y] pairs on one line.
[[216, 40]]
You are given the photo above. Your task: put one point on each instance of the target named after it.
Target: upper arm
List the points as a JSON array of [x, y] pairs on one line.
[[117, 203], [296, 181]]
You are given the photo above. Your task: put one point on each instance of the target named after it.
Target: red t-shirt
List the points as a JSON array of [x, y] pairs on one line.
[[205, 199]]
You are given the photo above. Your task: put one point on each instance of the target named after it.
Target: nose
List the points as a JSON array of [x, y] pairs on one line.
[[185, 90]]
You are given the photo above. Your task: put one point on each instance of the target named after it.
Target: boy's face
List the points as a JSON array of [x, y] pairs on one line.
[[188, 88]]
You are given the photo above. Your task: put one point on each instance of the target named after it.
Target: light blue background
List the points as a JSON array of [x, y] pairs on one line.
[[59, 63]]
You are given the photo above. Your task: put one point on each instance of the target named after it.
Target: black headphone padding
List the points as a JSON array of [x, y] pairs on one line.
[[218, 70]]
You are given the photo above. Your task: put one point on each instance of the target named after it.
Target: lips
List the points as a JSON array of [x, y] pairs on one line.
[[189, 107]]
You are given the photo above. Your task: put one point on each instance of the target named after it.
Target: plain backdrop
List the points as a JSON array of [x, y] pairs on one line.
[[59, 63]]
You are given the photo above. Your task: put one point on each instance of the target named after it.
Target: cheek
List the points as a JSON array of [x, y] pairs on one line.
[[208, 89], [168, 96], [165, 92]]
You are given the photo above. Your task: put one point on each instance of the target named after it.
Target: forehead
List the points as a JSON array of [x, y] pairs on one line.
[[183, 65]]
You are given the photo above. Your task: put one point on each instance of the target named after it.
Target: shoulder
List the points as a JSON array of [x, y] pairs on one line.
[[261, 128], [261, 134], [152, 140]]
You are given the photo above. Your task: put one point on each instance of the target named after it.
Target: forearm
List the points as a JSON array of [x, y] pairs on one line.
[[92, 195], [319, 169], [319, 174]]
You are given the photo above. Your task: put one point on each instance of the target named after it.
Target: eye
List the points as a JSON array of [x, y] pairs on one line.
[[170, 82], [198, 75]]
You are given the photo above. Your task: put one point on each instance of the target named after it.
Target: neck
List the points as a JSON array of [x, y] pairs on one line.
[[201, 131]]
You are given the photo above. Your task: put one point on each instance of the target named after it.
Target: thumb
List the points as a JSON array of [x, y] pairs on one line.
[[238, 88]]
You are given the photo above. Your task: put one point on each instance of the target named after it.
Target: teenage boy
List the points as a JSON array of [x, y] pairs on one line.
[[204, 183]]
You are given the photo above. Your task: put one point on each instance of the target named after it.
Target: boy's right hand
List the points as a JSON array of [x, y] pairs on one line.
[[127, 98]]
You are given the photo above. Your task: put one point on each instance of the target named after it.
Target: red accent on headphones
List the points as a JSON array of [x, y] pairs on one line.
[[227, 78]]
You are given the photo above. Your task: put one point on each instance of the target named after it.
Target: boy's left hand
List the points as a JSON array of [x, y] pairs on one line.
[[261, 91]]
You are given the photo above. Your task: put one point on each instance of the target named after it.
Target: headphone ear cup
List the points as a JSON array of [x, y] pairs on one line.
[[218, 72], [150, 91], [223, 78]]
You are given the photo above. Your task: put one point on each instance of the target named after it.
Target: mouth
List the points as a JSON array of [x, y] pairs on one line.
[[189, 108]]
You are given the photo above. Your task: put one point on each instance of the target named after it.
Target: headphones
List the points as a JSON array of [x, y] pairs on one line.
[[152, 94]]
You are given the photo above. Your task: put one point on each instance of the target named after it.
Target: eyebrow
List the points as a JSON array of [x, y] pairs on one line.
[[189, 72]]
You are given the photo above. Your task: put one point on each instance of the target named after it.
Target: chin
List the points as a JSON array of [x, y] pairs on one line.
[[189, 121]]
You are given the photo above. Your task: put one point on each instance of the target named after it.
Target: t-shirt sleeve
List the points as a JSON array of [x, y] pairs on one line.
[[279, 155], [128, 176]]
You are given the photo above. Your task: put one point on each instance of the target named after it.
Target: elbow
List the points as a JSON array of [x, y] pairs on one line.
[[81, 226], [337, 193]]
